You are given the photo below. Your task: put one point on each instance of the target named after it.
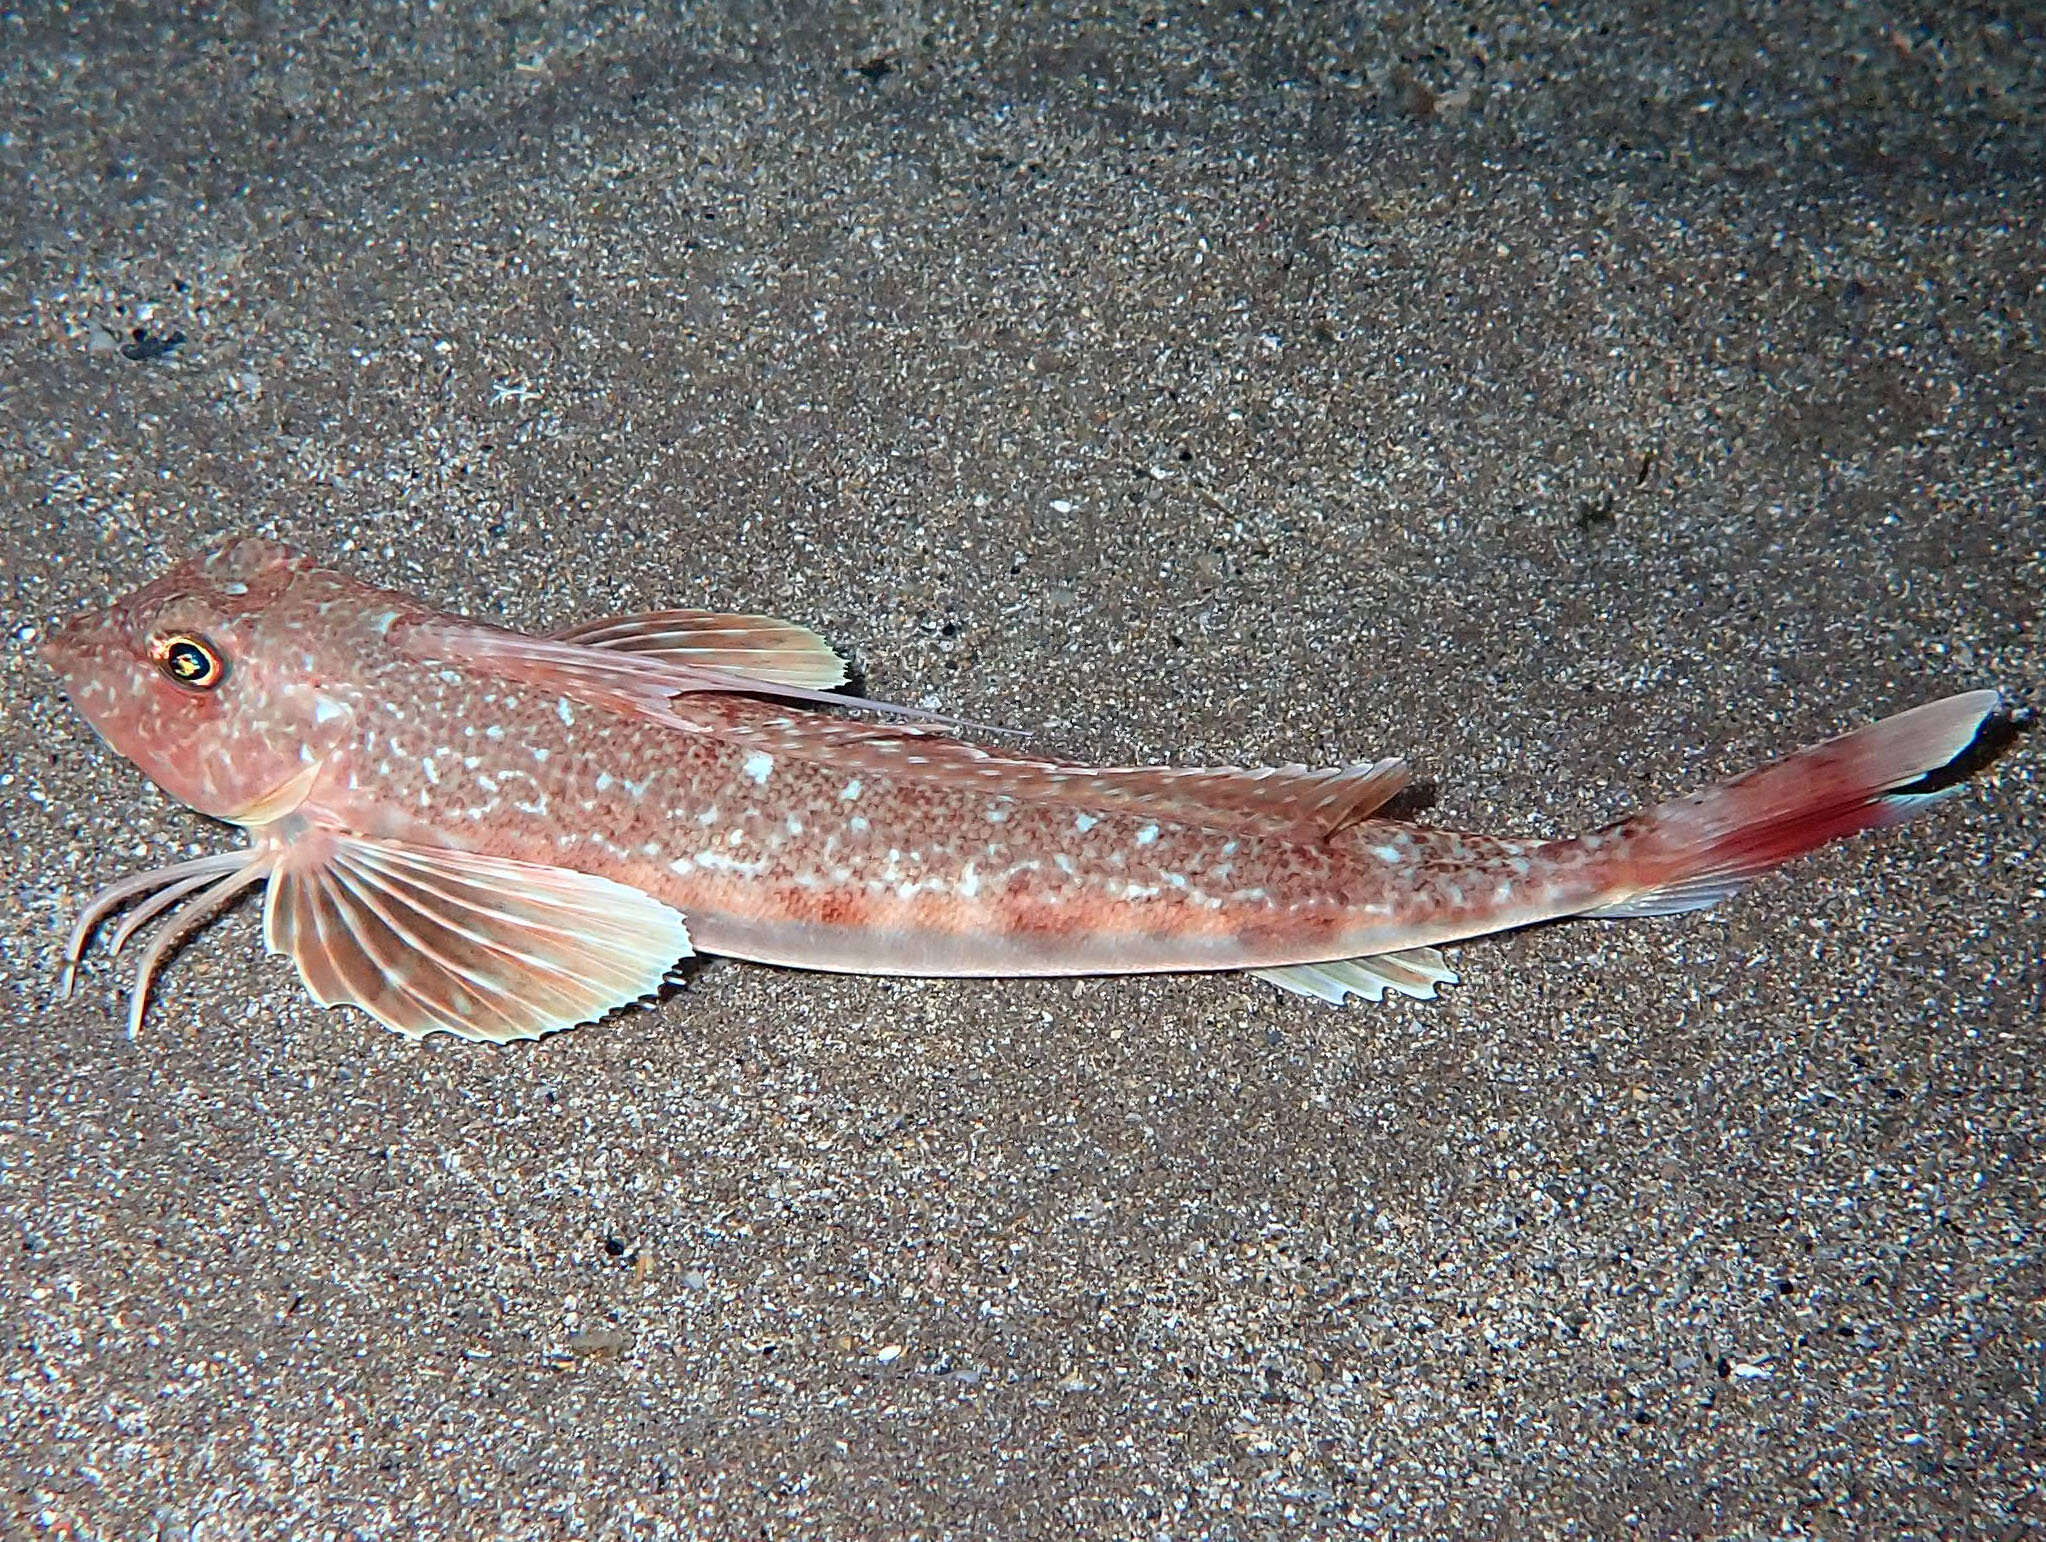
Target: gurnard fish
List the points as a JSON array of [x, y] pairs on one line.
[[471, 830]]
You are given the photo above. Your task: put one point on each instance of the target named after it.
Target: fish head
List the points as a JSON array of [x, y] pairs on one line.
[[215, 678]]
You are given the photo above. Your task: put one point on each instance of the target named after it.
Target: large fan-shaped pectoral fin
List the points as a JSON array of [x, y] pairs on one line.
[[426, 940]]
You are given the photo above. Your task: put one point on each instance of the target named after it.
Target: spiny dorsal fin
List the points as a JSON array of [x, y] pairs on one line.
[[619, 680], [753, 647]]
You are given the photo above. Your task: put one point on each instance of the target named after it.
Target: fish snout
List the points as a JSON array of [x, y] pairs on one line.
[[59, 647], [51, 651], [71, 647]]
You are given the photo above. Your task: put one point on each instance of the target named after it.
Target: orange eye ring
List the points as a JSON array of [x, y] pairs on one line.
[[188, 659]]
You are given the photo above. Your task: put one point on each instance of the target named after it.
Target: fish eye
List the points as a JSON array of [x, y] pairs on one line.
[[188, 659]]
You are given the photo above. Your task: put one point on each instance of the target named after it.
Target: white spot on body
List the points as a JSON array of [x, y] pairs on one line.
[[493, 732], [539, 753], [850, 792], [795, 825], [1147, 835], [718, 862], [326, 708], [1388, 853], [859, 824], [603, 781], [565, 712], [432, 773], [969, 882], [759, 766], [1084, 822]]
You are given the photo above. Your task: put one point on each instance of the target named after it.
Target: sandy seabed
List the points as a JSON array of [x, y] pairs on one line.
[[1582, 409]]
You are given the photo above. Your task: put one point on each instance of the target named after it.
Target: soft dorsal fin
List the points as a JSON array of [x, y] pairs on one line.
[[1293, 801], [753, 647]]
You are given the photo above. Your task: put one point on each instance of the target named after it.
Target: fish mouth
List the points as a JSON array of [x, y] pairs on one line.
[[280, 802]]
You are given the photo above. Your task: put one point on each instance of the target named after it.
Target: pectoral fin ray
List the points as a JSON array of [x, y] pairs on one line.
[[433, 940]]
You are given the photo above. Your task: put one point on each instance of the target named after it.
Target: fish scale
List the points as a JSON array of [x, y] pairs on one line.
[[471, 830], [767, 853]]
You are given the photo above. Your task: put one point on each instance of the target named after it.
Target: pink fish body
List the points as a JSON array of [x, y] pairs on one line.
[[468, 830]]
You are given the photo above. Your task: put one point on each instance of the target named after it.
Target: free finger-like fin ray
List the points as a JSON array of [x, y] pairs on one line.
[[189, 914], [426, 939], [180, 877]]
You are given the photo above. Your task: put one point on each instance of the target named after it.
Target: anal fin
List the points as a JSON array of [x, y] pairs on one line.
[[1411, 972]]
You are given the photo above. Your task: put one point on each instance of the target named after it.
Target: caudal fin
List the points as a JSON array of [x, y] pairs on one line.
[[1697, 850]]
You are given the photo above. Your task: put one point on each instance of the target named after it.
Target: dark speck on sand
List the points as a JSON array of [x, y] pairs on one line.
[[1583, 403]]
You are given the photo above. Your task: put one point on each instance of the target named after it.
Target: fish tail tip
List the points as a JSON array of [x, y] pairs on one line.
[[1964, 734], [1705, 847]]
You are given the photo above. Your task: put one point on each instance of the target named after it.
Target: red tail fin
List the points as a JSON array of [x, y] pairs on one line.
[[1694, 852]]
